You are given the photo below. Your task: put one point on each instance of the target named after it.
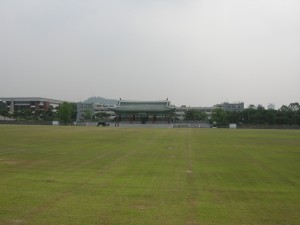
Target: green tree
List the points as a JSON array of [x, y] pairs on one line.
[[195, 115], [235, 117], [285, 115], [294, 106], [101, 115], [74, 110], [219, 117], [261, 115], [251, 115], [271, 116], [50, 114], [65, 113], [88, 114], [23, 114], [3, 109]]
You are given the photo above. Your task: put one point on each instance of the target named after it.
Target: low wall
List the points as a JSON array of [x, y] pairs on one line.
[[156, 125], [268, 126], [24, 122], [191, 125]]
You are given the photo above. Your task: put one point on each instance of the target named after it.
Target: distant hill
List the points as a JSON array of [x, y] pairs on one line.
[[101, 100]]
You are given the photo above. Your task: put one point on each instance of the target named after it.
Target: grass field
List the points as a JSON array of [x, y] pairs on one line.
[[83, 175]]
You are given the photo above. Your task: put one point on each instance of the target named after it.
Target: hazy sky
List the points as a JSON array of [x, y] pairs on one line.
[[197, 53]]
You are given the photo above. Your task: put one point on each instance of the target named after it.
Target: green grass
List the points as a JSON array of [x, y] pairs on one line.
[[83, 175]]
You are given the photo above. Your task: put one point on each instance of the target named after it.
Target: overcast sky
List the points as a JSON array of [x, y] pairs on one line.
[[196, 53]]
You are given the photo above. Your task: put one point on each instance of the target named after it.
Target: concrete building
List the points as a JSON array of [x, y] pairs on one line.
[[180, 111], [32, 103], [231, 107], [93, 108]]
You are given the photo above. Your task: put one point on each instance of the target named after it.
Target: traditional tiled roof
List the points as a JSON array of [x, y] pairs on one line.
[[143, 107]]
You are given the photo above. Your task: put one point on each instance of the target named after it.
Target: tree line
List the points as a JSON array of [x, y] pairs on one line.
[[285, 115], [66, 114]]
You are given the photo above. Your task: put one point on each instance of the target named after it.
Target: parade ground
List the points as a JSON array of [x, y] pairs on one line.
[[68, 175]]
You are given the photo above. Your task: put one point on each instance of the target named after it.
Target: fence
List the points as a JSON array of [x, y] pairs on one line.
[[268, 126], [25, 122]]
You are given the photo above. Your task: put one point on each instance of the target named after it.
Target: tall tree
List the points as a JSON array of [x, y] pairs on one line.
[[3, 109], [195, 115], [50, 114], [88, 114], [65, 113], [294, 106], [219, 116], [271, 116], [234, 117]]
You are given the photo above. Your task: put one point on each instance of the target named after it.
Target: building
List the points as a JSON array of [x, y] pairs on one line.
[[144, 111], [181, 111], [93, 109], [31, 103], [231, 107]]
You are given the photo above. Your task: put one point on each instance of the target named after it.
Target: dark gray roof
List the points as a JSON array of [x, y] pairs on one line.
[[29, 99], [143, 106]]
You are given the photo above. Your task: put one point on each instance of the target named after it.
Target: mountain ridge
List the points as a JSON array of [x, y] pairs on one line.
[[101, 100]]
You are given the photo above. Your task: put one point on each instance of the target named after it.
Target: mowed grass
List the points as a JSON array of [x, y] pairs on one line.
[[90, 175]]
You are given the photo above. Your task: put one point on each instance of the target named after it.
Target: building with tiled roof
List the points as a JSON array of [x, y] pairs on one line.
[[144, 111]]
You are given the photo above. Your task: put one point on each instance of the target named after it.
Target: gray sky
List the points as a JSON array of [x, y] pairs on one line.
[[197, 53]]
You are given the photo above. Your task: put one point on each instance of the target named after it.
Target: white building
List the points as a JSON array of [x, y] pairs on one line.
[[180, 111], [94, 108]]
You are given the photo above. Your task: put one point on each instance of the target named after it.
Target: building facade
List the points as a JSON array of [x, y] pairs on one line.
[[93, 109], [144, 111], [29, 103], [180, 112], [231, 107]]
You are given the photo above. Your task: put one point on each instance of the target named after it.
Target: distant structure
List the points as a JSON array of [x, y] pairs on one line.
[[231, 107], [33, 103], [181, 111], [93, 108], [271, 106], [144, 111]]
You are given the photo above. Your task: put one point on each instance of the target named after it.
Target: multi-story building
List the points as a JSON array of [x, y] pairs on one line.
[[181, 111], [32, 103], [231, 107], [93, 108]]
